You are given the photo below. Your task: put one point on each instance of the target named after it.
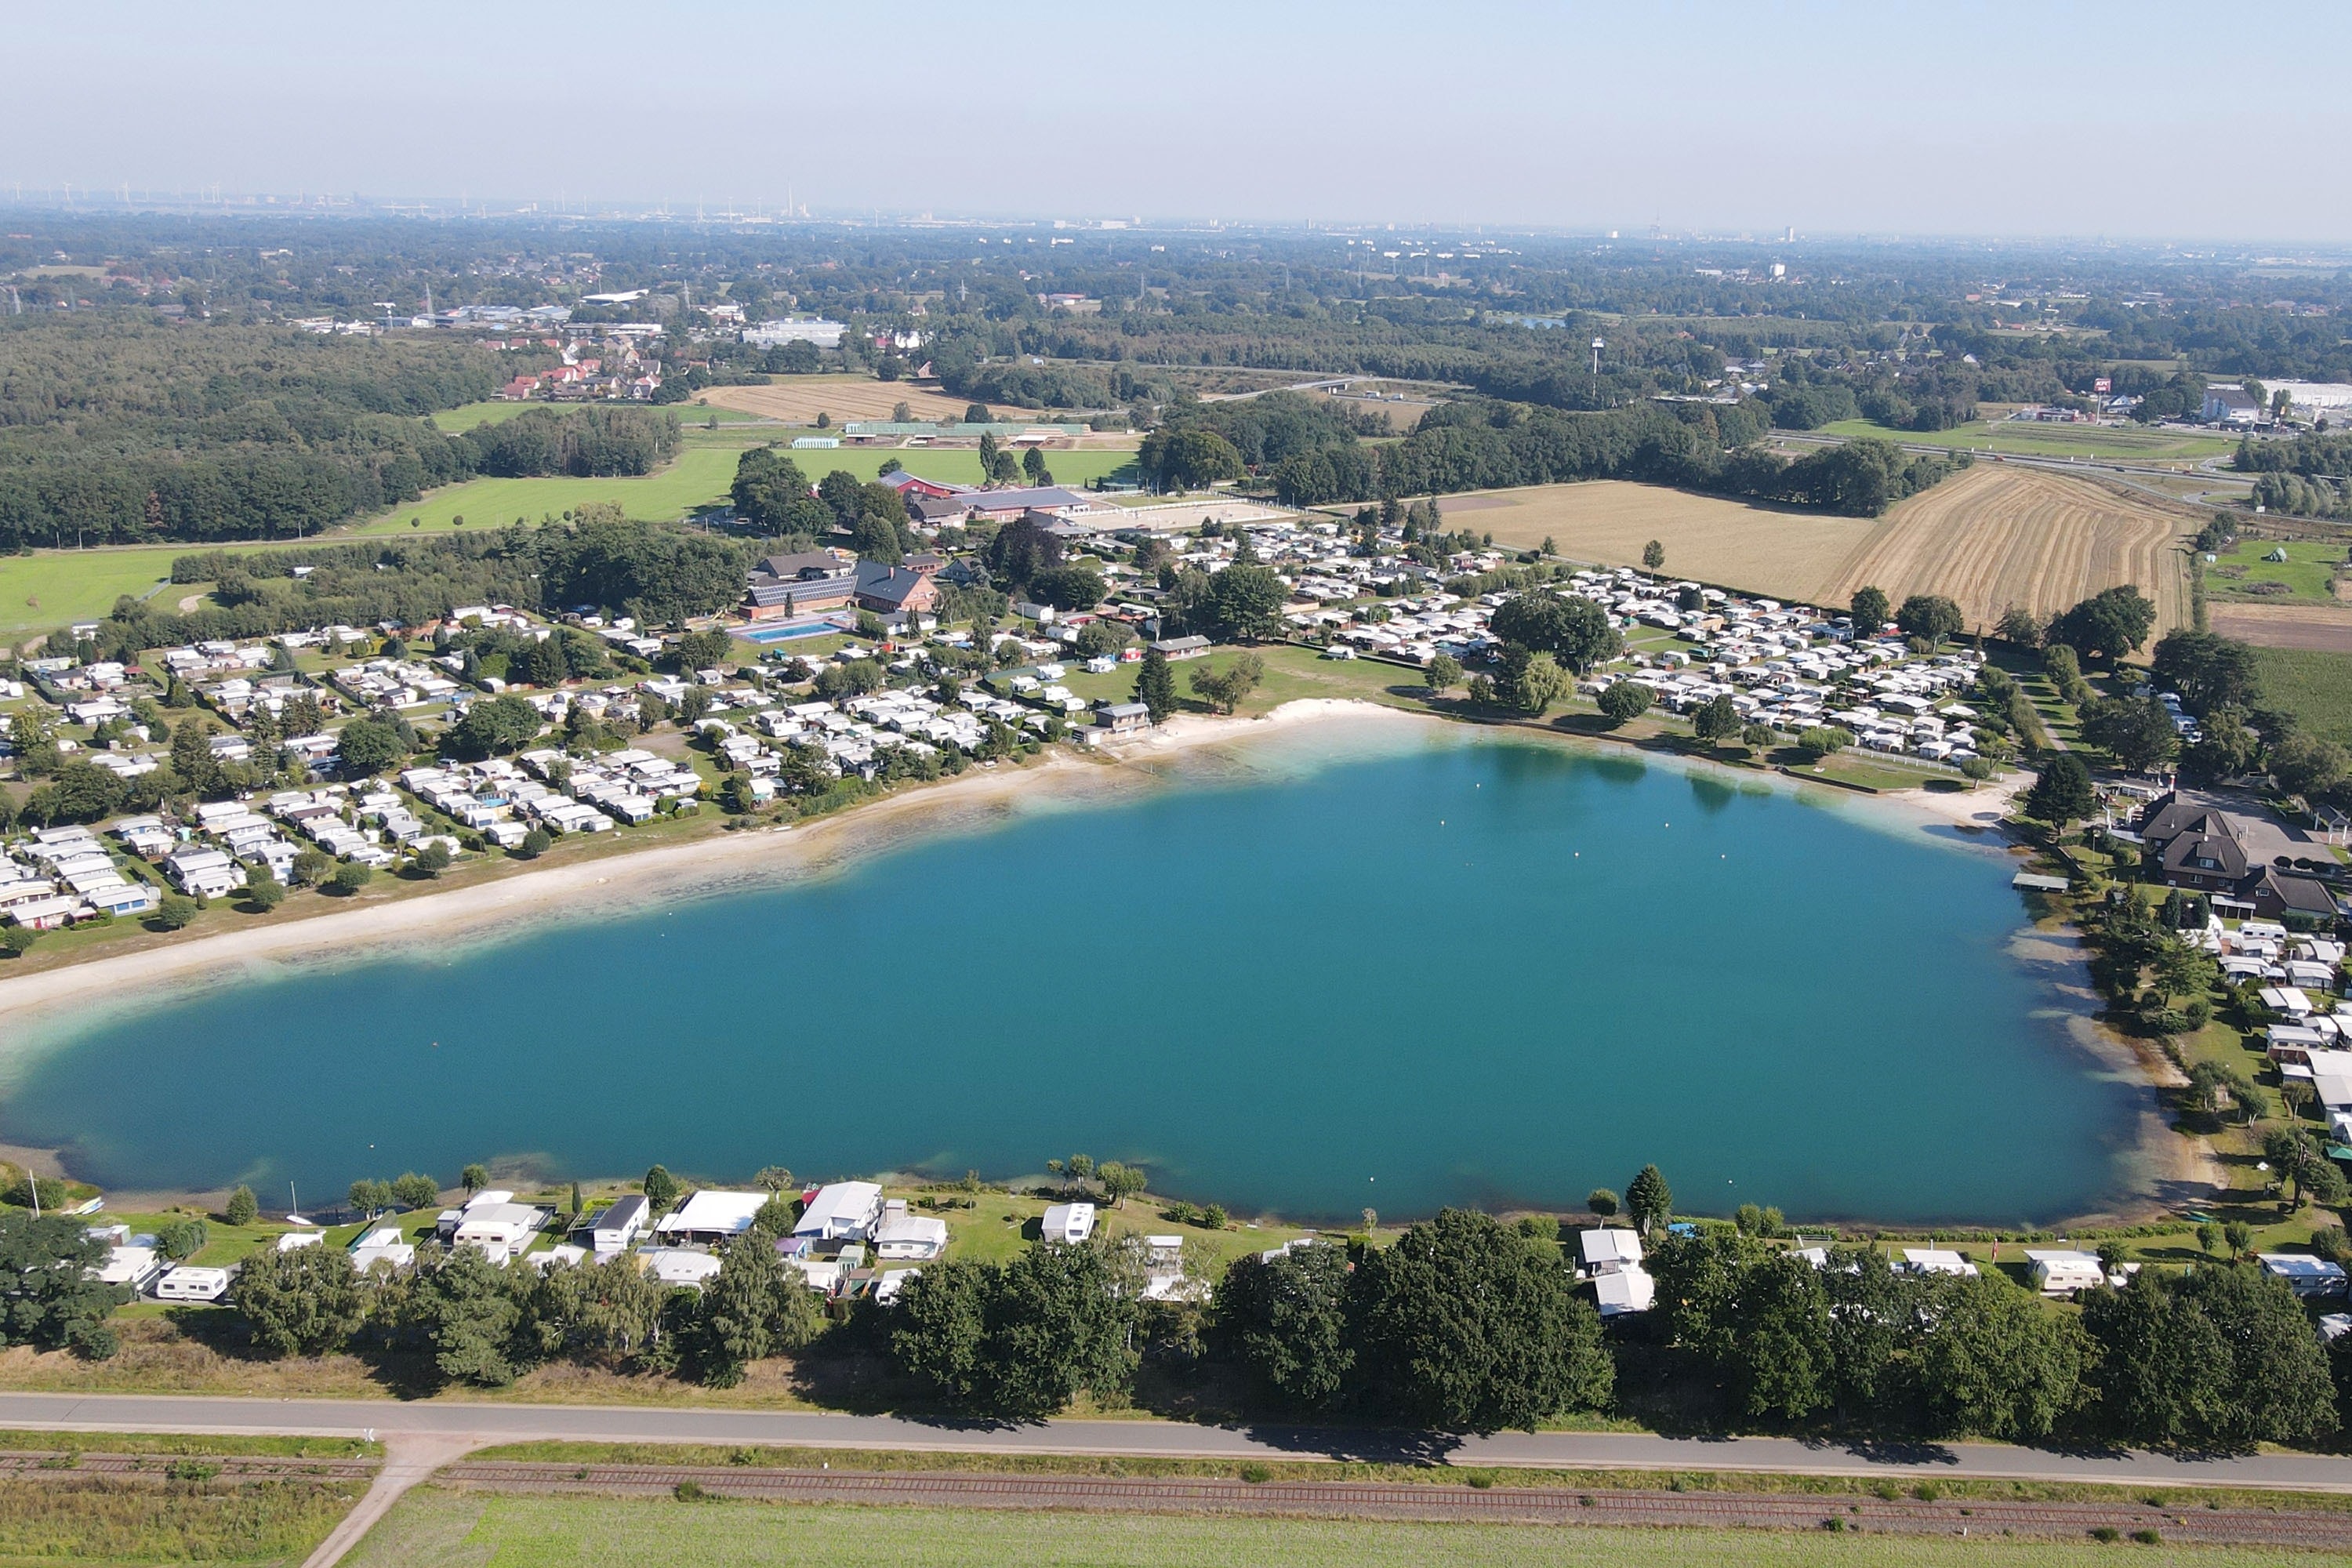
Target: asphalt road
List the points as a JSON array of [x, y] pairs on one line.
[[465, 1425]]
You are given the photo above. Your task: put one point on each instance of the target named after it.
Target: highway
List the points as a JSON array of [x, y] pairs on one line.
[[448, 1428]]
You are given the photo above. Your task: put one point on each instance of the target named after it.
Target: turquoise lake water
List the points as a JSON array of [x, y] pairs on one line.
[[1310, 977]]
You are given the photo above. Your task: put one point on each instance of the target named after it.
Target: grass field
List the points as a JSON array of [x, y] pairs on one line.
[[432, 1527], [2122, 444], [1766, 550], [1995, 537], [2307, 574], [2314, 684], [99, 1520], [59, 587], [799, 399]]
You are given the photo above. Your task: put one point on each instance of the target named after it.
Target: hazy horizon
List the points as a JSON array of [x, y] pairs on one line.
[[1995, 121]]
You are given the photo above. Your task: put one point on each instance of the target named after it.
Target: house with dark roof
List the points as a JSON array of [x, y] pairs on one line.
[[889, 590], [2199, 844], [806, 583]]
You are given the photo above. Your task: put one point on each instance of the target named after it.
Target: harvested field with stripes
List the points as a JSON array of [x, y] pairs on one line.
[[1993, 537], [1999, 536]]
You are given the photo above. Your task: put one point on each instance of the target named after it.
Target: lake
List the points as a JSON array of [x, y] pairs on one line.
[[1390, 966]]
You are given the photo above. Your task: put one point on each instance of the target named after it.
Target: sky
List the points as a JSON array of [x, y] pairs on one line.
[[2143, 120]]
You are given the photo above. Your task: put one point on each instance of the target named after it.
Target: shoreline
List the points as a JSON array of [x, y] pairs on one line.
[[779, 855]]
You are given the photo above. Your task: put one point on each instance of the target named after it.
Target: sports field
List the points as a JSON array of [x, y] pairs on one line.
[[799, 399], [1995, 536], [2114, 443], [433, 1528], [1764, 550]]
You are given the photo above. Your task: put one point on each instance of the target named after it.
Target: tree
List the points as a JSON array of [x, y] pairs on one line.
[[1441, 674], [705, 648], [1930, 615], [1187, 459], [241, 1210], [1869, 609], [468, 1310], [312, 866], [176, 911], [48, 1296], [432, 860], [2062, 794], [2208, 672], [1996, 1362], [2137, 731], [1073, 587], [474, 1177], [1531, 682], [492, 727], [366, 747], [1574, 629], [370, 1196], [738, 1308], [1224, 689], [1033, 467], [1716, 720], [1285, 1321], [1601, 1202], [1103, 638], [1245, 602], [1624, 699], [350, 876], [2306, 766], [305, 1301], [1120, 1181], [939, 1326], [772, 493], [1653, 555], [1465, 1325], [543, 663], [774, 1179], [181, 1237], [1649, 1202], [415, 1190], [661, 1188], [1756, 737], [535, 843], [2221, 1358], [2019, 626], [1155, 685], [2109, 624]]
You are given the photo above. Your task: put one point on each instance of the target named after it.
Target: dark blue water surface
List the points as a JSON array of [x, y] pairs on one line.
[[1464, 972]]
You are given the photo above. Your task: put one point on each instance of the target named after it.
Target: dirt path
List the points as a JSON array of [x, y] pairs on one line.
[[408, 1460]]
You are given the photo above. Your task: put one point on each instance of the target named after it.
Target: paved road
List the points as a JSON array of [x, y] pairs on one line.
[[483, 1424]]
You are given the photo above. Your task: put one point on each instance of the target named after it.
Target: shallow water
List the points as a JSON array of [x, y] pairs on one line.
[[1336, 971]]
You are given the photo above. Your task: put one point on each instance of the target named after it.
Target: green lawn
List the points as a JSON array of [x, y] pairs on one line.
[[2314, 684], [2309, 567], [700, 476], [59, 587], [2116, 444], [432, 1527]]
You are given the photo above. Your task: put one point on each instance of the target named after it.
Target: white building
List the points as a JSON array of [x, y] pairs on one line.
[[843, 1211], [2061, 1271], [1068, 1224], [915, 1238], [617, 1229], [711, 1217]]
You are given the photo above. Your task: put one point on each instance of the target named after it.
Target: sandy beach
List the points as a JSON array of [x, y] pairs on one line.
[[615, 883]]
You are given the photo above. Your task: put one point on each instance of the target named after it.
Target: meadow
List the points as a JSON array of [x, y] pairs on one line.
[[2306, 576], [433, 1527]]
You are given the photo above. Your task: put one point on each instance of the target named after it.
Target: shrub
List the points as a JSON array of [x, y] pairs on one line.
[[350, 876]]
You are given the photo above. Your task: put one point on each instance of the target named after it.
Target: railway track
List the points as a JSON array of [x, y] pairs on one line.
[[2175, 1520], [31, 1464]]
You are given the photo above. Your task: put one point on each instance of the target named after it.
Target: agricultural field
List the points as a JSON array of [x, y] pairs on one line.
[[2284, 626], [799, 399], [1763, 549], [435, 1527], [2315, 685], [2112, 443], [1995, 537]]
